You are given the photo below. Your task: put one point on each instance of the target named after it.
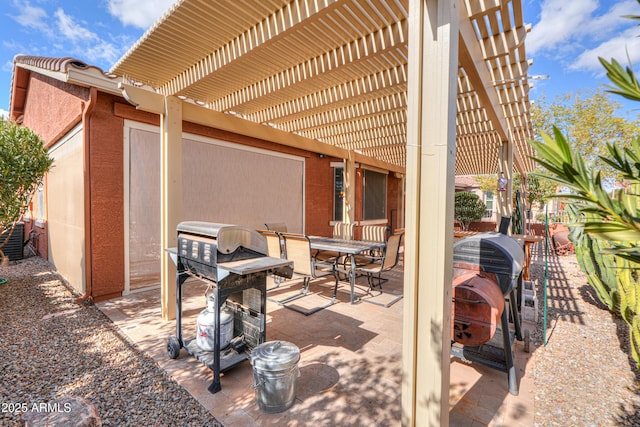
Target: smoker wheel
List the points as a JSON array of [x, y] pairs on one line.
[[527, 340], [173, 347]]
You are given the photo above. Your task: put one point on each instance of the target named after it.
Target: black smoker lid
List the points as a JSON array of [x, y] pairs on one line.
[[493, 252]]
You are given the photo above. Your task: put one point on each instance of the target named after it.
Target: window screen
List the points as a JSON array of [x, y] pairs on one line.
[[374, 199]]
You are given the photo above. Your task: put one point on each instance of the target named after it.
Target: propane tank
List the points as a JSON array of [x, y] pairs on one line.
[[206, 325]]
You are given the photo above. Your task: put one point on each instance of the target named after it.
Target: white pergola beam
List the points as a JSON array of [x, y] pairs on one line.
[[431, 147]]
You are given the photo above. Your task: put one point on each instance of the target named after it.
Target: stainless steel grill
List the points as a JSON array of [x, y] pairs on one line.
[[232, 260]]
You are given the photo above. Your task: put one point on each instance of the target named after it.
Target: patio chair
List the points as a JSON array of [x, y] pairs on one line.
[[274, 243], [504, 225], [341, 230], [373, 233], [280, 227], [298, 249], [275, 249], [374, 269]]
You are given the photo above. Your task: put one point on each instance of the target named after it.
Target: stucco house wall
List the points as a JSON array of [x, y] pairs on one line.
[[53, 108]]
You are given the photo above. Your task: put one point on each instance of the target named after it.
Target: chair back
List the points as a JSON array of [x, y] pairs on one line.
[[343, 230], [297, 248], [374, 233], [392, 251], [280, 227], [504, 225], [274, 248]]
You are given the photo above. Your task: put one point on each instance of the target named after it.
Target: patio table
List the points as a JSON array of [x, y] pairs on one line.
[[346, 247]]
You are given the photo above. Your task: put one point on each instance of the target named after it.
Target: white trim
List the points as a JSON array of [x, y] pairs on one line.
[[341, 165]]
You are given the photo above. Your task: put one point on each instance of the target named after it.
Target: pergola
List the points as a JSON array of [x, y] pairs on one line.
[[424, 88]]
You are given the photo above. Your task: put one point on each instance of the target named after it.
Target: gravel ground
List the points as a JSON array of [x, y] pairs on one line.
[[584, 376], [51, 348]]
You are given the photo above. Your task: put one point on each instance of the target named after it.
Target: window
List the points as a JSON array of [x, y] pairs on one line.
[[374, 195], [338, 193], [488, 201]]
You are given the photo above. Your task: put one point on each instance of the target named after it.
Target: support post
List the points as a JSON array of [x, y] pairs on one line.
[[505, 198], [348, 214], [170, 199], [431, 118]]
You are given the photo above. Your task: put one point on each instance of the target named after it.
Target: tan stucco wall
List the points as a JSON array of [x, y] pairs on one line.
[[65, 210]]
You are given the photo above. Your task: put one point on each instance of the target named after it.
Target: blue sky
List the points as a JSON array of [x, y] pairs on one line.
[[566, 39]]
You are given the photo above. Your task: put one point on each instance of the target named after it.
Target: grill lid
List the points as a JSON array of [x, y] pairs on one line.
[[493, 253], [228, 237]]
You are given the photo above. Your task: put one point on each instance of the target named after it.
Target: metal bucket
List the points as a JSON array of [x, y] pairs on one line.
[[275, 371]]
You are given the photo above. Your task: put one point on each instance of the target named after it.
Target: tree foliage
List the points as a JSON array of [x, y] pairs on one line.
[[538, 189], [589, 122], [468, 208], [487, 182], [23, 163]]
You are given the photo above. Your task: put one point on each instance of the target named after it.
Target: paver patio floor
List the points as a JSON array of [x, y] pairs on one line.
[[350, 366]]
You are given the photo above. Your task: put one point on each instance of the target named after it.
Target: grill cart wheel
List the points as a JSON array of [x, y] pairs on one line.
[[173, 347], [527, 340]]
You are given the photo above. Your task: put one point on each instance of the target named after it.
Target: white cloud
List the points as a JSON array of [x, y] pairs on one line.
[[7, 66], [138, 13], [602, 27], [101, 51], [30, 16], [623, 48], [581, 31], [4, 113], [78, 40], [72, 30], [560, 22]]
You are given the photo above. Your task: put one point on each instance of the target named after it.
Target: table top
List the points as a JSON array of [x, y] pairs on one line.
[[528, 238], [462, 233], [343, 246]]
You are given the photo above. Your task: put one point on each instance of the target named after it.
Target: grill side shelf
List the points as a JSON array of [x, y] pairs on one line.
[[254, 265]]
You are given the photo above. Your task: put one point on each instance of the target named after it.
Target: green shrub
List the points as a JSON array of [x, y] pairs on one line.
[[468, 208], [23, 163]]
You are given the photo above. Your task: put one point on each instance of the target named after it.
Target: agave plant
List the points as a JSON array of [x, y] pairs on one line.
[[606, 225]]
